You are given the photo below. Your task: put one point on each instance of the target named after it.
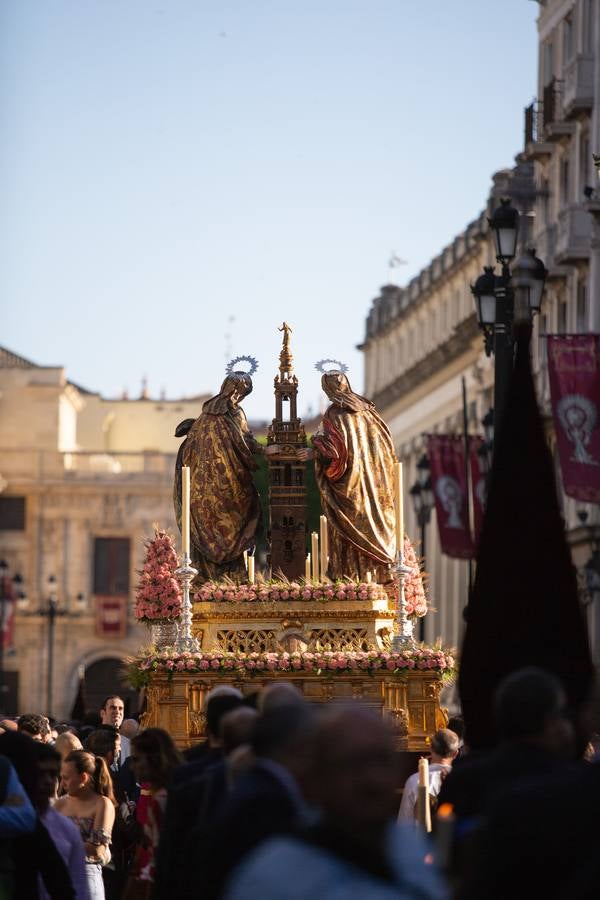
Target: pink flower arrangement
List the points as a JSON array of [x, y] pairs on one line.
[[158, 594], [278, 591], [330, 661]]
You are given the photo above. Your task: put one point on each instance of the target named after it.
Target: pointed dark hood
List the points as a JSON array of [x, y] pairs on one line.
[[524, 608]]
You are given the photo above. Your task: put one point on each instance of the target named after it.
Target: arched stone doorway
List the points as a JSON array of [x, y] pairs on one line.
[[107, 676]]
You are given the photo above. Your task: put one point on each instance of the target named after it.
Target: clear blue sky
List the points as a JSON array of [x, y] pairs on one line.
[[168, 164]]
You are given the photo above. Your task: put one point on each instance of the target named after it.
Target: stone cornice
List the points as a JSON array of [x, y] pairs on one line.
[[458, 343]]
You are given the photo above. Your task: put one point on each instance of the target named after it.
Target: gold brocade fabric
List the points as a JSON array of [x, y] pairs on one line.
[[225, 510], [354, 468]]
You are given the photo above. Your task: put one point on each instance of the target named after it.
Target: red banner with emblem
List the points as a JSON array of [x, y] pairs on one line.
[[7, 612], [449, 479], [111, 616], [574, 372], [478, 484]]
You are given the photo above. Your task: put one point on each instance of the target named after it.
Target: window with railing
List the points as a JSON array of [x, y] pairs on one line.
[[588, 25], [584, 160], [561, 317], [568, 33], [12, 513], [581, 311], [111, 566], [565, 180], [548, 62]]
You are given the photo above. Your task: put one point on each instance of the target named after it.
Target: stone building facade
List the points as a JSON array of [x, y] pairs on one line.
[[422, 339], [83, 480]]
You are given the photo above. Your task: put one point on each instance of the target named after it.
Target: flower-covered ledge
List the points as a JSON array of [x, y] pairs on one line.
[[404, 686]]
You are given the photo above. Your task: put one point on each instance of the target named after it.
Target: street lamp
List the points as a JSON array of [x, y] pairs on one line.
[[508, 298], [50, 609], [422, 498]]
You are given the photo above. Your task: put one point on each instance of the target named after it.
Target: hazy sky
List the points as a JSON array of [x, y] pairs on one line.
[[172, 171]]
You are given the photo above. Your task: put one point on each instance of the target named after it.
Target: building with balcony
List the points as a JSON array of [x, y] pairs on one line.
[[83, 479], [421, 340]]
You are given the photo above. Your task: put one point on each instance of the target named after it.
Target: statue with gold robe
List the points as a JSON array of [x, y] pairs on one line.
[[355, 461], [225, 511]]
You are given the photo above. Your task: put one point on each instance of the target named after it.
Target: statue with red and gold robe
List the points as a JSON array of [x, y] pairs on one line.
[[225, 512], [354, 468]]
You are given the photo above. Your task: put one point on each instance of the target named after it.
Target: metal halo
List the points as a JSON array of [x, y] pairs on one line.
[[341, 367], [230, 370]]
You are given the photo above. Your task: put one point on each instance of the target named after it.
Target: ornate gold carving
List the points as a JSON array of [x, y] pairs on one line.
[[258, 612], [197, 723], [291, 623], [340, 639], [327, 690], [400, 721], [432, 689], [247, 641]]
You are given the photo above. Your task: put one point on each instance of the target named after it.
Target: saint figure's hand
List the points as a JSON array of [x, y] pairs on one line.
[[304, 453], [272, 449]]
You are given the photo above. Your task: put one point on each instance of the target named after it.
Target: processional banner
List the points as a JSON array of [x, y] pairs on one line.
[[446, 454], [7, 618], [478, 484], [111, 616], [574, 372]]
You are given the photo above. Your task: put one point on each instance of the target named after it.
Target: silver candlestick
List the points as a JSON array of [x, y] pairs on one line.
[[185, 640], [404, 636]]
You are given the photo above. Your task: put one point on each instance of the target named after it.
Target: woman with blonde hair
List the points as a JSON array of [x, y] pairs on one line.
[[89, 802]]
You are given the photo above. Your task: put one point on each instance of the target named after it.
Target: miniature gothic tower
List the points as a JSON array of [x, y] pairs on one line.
[[287, 474]]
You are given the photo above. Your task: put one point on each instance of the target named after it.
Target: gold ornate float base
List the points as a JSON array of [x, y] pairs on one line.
[[409, 701]]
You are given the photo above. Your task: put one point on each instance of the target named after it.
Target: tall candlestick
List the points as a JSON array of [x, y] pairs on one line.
[[423, 806], [307, 567], [315, 557], [399, 509], [251, 569], [185, 510], [324, 545]]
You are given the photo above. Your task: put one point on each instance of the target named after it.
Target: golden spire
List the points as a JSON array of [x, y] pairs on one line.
[[285, 357]]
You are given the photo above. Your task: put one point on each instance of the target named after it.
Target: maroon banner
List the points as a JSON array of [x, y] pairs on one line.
[[574, 371], [447, 461], [8, 609], [111, 616], [478, 484]]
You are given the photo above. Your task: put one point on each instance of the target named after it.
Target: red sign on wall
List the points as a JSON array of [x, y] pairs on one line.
[[111, 616]]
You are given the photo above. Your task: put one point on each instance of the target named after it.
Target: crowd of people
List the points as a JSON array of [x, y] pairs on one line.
[[288, 799]]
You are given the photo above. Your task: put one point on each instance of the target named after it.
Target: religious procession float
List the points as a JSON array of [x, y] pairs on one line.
[[332, 611]]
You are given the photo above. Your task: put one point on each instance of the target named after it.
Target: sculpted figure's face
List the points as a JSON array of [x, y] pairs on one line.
[[335, 383]]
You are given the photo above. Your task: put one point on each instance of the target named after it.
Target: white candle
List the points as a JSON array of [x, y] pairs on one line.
[[251, 569], [399, 509], [315, 557], [246, 560], [185, 510], [324, 545], [423, 773], [307, 567], [369, 577]]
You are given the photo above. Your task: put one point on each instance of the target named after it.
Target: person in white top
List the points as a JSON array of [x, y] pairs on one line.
[[444, 750]]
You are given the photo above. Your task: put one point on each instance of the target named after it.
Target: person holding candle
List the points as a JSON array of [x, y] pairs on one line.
[[355, 469], [219, 448], [445, 745]]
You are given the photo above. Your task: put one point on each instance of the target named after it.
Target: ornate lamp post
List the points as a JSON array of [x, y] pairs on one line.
[[505, 299], [423, 501], [50, 609]]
